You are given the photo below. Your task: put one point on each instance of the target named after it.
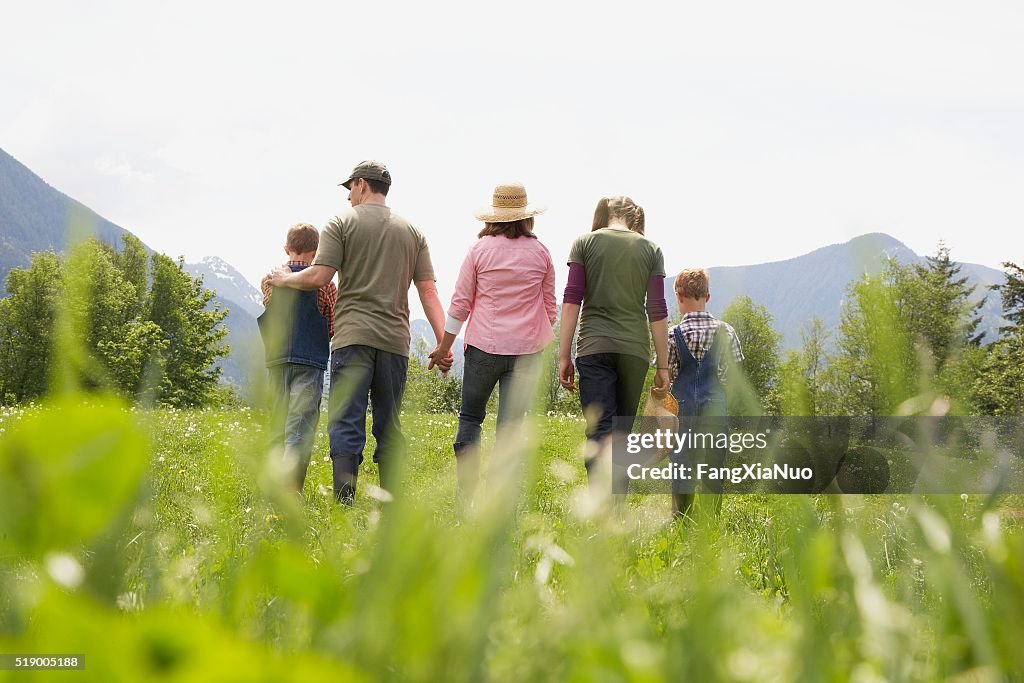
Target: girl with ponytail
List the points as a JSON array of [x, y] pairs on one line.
[[615, 294]]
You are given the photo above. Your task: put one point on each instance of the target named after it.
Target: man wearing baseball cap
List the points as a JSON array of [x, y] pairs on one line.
[[377, 254]]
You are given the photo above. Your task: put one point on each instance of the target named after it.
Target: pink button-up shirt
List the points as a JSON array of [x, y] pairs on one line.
[[506, 288]]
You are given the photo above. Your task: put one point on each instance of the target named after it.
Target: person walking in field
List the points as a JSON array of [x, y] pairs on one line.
[[615, 294], [296, 328], [377, 254], [506, 290], [700, 349]]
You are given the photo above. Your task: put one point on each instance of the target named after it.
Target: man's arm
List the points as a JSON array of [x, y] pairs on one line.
[[431, 303], [308, 279]]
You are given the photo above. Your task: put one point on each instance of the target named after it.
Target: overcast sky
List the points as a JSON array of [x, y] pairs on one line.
[[750, 132]]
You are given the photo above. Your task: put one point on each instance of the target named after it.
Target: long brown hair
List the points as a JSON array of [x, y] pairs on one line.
[[623, 208], [510, 229]]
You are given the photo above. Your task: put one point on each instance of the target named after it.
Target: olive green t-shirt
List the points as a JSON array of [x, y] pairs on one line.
[[618, 264], [377, 254]]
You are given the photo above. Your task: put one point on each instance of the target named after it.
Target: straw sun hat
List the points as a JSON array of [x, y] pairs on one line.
[[508, 204]]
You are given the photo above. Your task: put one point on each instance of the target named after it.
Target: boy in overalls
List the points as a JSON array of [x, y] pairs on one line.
[[698, 354]]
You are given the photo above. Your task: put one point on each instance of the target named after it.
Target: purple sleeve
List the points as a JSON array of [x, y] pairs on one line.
[[657, 309], [576, 286]]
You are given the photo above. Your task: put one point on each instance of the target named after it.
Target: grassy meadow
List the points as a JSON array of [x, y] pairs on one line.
[[163, 545]]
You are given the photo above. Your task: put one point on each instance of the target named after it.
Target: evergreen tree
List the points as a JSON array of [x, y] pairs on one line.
[[999, 386], [803, 388], [27, 318], [760, 343], [874, 368], [132, 262], [83, 320], [942, 313], [192, 336], [1012, 294]]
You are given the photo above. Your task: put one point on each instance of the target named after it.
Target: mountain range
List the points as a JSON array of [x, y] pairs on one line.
[[814, 284], [36, 217]]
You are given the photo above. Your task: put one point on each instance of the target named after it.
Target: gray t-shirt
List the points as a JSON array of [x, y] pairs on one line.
[[378, 255], [618, 263]]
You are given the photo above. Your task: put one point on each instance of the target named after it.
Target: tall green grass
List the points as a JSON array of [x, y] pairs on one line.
[[164, 545]]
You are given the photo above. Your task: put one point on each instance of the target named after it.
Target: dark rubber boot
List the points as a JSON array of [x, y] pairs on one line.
[[346, 471]]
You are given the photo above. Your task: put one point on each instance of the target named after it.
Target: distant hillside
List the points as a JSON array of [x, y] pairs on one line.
[[814, 284], [36, 217]]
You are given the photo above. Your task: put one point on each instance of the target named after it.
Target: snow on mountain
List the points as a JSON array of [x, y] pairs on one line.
[[228, 283]]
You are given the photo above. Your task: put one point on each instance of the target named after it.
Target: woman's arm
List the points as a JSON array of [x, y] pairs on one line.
[[566, 372], [575, 288], [464, 296], [657, 315], [458, 310], [550, 302], [659, 331]]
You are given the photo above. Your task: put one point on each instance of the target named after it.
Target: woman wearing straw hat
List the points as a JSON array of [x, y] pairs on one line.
[[618, 276], [506, 289]]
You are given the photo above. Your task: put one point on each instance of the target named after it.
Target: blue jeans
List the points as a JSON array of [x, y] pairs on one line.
[[362, 375], [482, 372], [296, 391], [610, 386]]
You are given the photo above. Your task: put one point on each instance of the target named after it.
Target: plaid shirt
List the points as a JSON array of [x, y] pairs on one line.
[[325, 297], [699, 330]]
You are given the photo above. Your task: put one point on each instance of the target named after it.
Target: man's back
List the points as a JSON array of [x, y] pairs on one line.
[[378, 254]]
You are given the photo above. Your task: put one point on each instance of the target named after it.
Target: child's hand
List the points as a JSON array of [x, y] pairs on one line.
[[661, 380]]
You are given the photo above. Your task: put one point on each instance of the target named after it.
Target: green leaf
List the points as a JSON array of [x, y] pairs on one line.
[[66, 471]]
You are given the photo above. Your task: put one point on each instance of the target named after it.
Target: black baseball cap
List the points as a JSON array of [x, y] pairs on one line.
[[371, 170]]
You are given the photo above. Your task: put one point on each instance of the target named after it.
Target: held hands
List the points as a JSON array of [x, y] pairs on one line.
[[566, 374], [443, 359]]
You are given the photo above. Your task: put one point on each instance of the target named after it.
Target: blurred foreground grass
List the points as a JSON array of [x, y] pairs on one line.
[[163, 546]]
